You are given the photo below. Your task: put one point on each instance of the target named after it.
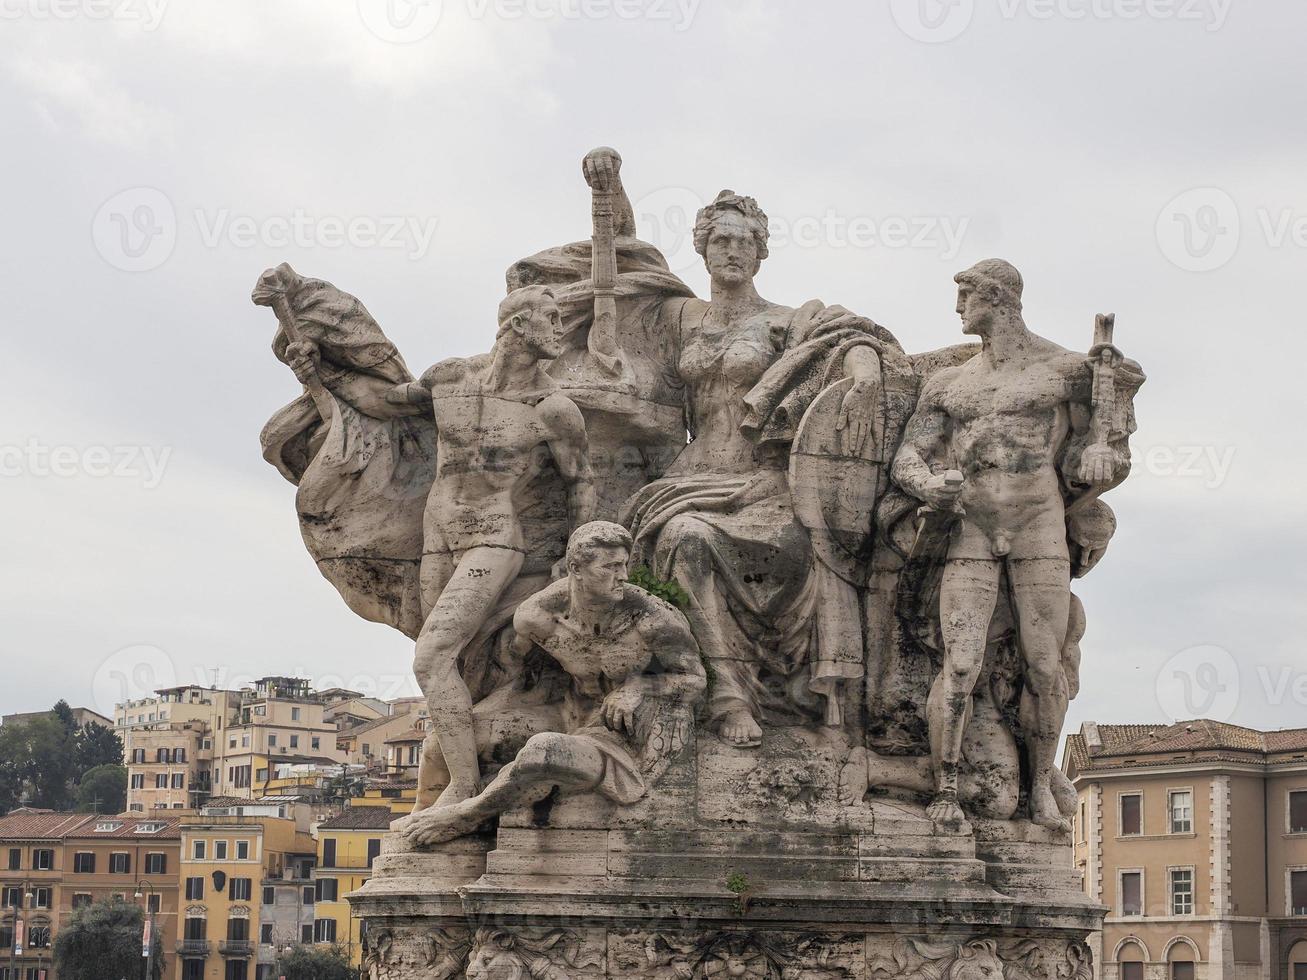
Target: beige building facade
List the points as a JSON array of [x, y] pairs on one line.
[[1194, 836]]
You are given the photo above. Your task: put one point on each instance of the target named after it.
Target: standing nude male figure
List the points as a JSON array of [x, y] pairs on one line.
[[1002, 419], [500, 419]]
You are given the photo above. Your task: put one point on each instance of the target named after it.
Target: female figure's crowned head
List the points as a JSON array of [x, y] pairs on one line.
[[731, 234]]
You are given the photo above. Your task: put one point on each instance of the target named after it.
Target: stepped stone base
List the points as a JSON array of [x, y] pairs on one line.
[[737, 868]]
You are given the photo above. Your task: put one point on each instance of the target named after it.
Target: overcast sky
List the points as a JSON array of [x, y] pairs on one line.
[[1137, 156]]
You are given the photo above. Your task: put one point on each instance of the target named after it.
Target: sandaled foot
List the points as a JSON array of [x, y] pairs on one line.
[[739, 728], [853, 784], [946, 811]]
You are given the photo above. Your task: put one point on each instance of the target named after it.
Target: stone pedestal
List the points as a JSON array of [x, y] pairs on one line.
[[743, 866]]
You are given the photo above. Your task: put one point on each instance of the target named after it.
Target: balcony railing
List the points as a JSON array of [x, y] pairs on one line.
[[236, 947], [193, 947]]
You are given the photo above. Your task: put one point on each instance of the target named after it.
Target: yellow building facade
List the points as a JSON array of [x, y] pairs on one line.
[[347, 846]]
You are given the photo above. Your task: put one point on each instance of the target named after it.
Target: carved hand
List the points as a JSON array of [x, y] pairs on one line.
[[303, 360], [858, 413], [603, 169], [619, 708], [1098, 465], [939, 493]]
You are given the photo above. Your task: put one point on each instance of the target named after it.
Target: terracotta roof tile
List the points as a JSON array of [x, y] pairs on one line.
[[1199, 740]]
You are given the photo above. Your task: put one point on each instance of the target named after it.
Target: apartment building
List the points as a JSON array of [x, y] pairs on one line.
[[347, 846], [188, 743], [55, 863], [1194, 835], [246, 884]]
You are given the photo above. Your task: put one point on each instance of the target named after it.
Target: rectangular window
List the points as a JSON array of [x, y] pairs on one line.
[[1132, 893], [199, 850], [294, 741], [374, 849], [265, 934], [327, 890], [272, 740], [1298, 892], [324, 931], [44, 898], [161, 781], [1298, 812], [138, 780], [1300, 971], [12, 897], [43, 860], [294, 714], [269, 895], [194, 889], [1182, 891], [154, 903], [316, 742], [241, 889], [1182, 811], [1132, 815], [220, 850], [197, 929], [120, 864], [238, 929], [1182, 971], [81, 900], [310, 895], [156, 864], [179, 780], [306, 934], [83, 863], [15, 859], [242, 850], [1132, 971], [329, 852]]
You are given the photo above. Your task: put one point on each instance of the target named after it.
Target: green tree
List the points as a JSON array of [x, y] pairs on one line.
[[36, 762], [103, 790], [97, 746], [64, 715], [104, 940], [317, 963]]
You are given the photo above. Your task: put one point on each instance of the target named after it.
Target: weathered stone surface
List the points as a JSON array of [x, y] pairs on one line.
[[829, 752]]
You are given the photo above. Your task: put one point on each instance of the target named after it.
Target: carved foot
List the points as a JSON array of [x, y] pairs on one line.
[[1044, 810], [946, 811], [437, 825], [854, 783], [457, 792], [739, 728]]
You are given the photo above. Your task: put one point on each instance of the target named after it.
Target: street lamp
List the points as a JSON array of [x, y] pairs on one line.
[[150, 940]]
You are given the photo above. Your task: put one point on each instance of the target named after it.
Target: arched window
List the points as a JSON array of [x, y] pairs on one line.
[[1131, 955], [1181, 958], [1298, 962]]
